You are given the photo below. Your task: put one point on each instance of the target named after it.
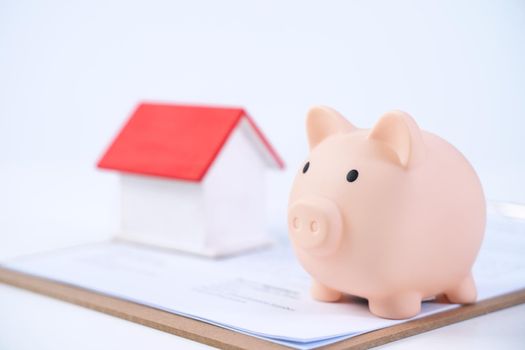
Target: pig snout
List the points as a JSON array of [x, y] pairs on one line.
[[315, 225]]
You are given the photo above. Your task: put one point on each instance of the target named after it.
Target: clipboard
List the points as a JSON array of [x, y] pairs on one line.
[[227, 339]]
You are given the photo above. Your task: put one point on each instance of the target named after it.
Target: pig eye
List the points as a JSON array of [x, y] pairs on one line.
[[352, 175], [306, 166]]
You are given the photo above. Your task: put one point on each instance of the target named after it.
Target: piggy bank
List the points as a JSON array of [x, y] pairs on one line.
[[393, 214]]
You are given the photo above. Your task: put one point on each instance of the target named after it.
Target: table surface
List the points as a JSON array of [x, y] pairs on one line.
[[40, 215]]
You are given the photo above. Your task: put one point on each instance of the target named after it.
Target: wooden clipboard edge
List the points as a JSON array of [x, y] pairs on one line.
[[427, 323], [158, 319], [227, 339]]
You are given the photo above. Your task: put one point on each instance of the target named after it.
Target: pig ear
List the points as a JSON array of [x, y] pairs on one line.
[[401, 134], [322, 122]]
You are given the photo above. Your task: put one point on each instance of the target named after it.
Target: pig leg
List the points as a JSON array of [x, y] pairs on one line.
[[397, 306], [464, 293], [323, 293]]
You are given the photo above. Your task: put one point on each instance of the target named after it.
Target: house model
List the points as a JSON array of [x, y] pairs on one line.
[[193, 178]]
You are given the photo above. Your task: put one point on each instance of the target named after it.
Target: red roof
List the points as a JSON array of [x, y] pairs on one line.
[[176, 141]]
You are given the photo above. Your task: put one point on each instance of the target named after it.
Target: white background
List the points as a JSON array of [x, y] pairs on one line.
[[71, 72]]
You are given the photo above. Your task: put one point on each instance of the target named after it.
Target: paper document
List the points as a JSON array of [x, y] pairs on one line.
[[264, 294]]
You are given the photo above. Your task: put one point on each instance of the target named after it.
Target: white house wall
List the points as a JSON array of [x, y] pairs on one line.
[[164, 212], [234, 192]]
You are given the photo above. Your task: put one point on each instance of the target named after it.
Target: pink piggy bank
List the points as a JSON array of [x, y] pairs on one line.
[[393, 214]]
